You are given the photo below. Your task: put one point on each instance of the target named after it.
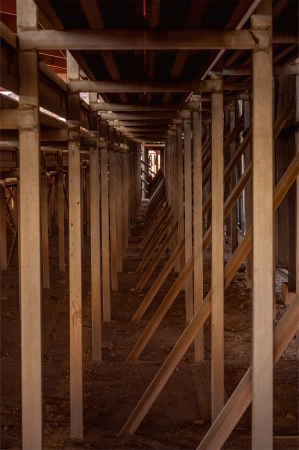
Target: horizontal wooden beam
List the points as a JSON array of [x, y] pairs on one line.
[[145, 116], [111, 86], [145, 39], [278, 70], [19, 118], [145, 107], [142, 122], [142, 129]]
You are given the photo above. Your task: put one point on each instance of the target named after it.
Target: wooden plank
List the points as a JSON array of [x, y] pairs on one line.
[[198, 221], [119, 208], [180, 192], [139, 86], [248, 193], [123, 203], [95, 254], [45, 231], [217, 278], [143, 39], [105, 235], [188, 216], [145, 107], [87, 193], [233, 214], [262, 187], [127, 204], [3, 229], [145, 116], [297, 201], [30, 238], [112, 210], [95, 238], [174, 183], [60, 198], [75, 255]]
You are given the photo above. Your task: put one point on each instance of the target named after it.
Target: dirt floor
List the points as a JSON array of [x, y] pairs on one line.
[[181, 415]]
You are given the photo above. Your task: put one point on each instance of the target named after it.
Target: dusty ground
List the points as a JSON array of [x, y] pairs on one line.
[[113, 388]]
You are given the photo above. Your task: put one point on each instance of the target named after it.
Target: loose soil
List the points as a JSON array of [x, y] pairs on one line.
[[181, 415]]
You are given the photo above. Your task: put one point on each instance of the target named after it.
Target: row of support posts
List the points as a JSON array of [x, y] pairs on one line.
[[35, 206], [114, 195]]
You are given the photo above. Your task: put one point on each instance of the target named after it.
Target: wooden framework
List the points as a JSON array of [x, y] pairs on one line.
[[95, 150]]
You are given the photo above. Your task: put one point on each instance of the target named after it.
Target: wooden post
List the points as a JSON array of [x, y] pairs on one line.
[[180, 192], [217, 281], [297, 203], [112, 204], [82, 205], [119, 208], [262, 351], [50, 204], [174, 181], [16, 192], [45, 229], [3, 229], [94, 202], [198, 240], [105, 226], [233, 214], [87, 188], [123, 204], [60, 198], [127, 197], [56, 202], [75, 254], [30, 237], [248, 192], [188, 216]]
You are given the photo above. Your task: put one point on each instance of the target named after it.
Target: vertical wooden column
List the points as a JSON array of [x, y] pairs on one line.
[[131, 180], [75, 254], [82, 204], [45, 229], [123, 203], [198, 240], [119, 208], [16, 192], [3, 229], [50, 204], [87, 188], [297, 203], [167, 170], [180, 193], [217, 281], [60, 198], [248, 192], [188, 216], [66, 205], [30, 236], [112, 204], [233, 213], [94, 202], [138, 178], [262, 351], [175, 186], [56, 202], [105, 225], [127, 193]]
